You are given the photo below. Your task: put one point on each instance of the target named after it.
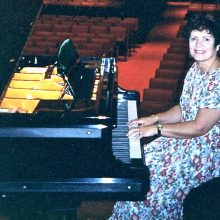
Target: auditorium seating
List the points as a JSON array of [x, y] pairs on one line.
[[90, 3], [111, 36], [114, 35], [132, 27], [165, 88], [121, 36]]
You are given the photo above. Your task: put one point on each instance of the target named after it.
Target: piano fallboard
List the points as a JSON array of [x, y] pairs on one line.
[[75, 185], [83, 131]]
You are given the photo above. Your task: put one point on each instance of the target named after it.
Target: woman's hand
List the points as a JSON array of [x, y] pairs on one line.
[[142, 131], [143, 121]]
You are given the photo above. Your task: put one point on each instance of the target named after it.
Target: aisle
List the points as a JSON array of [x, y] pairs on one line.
[[136, 72]]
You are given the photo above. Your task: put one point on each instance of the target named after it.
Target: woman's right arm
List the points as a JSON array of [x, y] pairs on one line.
[[173, 115]]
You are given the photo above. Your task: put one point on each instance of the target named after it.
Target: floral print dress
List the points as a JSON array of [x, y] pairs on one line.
[[178, 165]]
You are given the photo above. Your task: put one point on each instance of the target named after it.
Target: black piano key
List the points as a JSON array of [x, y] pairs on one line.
[[120, 142]]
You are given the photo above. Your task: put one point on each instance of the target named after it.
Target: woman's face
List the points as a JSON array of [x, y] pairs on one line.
[[202, 46]]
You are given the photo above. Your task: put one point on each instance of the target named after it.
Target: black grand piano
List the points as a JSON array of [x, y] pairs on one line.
[[63, 137]]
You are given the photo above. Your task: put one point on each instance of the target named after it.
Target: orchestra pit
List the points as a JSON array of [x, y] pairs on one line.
[[73, 73]]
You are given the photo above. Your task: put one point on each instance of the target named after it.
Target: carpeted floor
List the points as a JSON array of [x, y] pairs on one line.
[[142, 64]]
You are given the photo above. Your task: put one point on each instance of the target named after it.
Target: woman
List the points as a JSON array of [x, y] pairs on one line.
[[188, 151]]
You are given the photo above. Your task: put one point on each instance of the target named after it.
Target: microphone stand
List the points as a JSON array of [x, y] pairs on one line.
[[61, 72]]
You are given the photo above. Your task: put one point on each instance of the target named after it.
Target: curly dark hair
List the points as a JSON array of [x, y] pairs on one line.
[[203, 21]]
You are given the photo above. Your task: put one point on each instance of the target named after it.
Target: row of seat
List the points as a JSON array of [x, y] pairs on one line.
[[165, 88], [90, 3], [49, 31], [96, 47], [129, 22], [126, 27]]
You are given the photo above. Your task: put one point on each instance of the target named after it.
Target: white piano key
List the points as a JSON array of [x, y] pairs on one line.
[[135, 145]]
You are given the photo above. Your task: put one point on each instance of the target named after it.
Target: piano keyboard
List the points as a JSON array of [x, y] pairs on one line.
[[135, 147], [125, 149]]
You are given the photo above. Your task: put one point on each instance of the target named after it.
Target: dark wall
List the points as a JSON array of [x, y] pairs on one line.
[[148, 12], [138, 7], [16, 18]]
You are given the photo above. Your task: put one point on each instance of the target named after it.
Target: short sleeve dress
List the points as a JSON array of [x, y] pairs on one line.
[[178, 165]]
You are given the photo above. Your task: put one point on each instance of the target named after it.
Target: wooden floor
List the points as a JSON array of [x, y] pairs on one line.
[[95, 210]]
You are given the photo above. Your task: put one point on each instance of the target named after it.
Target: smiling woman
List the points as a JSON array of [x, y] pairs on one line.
[[204, 41], [188, 152], [202, 48]]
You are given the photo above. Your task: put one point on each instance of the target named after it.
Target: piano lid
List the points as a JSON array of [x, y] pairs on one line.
[[33, 91]]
